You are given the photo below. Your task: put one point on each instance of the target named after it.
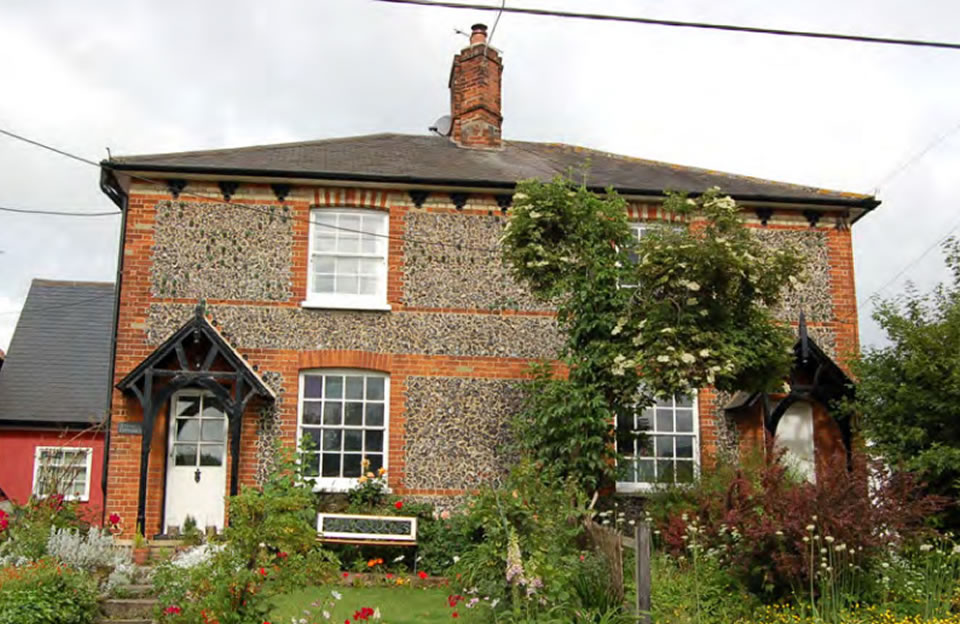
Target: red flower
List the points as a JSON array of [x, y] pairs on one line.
[[389, 576], [263, 572], [4, 521], [114, 519], [281, 555], [422, 574], [346, 574], [398, 504], [172, 610], [455, 614]]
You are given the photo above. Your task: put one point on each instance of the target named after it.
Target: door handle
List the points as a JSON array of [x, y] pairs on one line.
[[196, 476]]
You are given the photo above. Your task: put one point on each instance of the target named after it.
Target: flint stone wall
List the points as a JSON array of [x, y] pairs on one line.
[[457, 430], [813, 294]]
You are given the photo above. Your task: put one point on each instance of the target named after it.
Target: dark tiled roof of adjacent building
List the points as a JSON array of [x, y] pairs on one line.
[[57, 366], [414, 159]]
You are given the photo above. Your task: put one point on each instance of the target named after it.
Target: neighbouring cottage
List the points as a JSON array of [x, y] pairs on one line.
[[54, 387], [351, 290]]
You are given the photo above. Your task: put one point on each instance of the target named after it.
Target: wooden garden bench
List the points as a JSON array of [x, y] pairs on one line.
[[366, 530]]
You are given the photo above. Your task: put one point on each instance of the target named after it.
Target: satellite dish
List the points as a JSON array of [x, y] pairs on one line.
[[442, 126]]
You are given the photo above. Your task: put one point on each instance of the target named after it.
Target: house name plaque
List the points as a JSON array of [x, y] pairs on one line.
[[129, 428]]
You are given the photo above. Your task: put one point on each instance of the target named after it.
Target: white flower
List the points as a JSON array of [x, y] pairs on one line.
[[956, 549], [688, 358], [326, 615], [519, 196], [663, 358], [692, 286], [336, 595], [456, 559], [926, 548], [810, 527], [829, 539], [398, 559]]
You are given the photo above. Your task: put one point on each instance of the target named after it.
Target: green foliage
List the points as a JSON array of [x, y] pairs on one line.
[[678, 584], [542, 516], [908, 395], [46, 592], [29, 527], [370, 491], [687, 306], [189, 532]]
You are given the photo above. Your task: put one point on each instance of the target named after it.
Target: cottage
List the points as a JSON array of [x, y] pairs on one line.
[[53, 391], [350, 290]]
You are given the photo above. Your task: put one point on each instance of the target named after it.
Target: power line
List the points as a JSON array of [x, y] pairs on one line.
[[258, 209], [682, 24], [59, 213], [909, 162]]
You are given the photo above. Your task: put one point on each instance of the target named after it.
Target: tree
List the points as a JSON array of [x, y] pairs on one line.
[[908, 392], [689, 305]]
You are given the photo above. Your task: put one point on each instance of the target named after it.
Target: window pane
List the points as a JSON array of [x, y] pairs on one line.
[[665, 420], [188, 430], [684, 472], [188, 406], [664, 446], [213, 430], [348, 243], [685, 420], [211, 455], [645, 445], [324, 264], [334, 387], [348, 266], [331, 465], [311, 412], [376, 462], [369, 285], [374, 441], [626, 471], [347, 284], [685, 400], [212, 408], [323, 283], [375, 388], [354, 414], [332, 413], [624, 422], [313, 386], [374, 414], [354, 387], [185, 454], [665, 471], [331, 440], [667, 402], [351, 465], [645, 473], [349, 222], [313, 435], [369, 245], [645, 420], [685, 446], [353, 440], [311, 464]]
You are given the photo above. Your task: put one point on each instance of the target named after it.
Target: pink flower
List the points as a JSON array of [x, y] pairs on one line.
[[114, 519], [172, 610]]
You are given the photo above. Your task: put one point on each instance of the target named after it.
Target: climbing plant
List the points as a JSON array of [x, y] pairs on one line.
[[688, 305]]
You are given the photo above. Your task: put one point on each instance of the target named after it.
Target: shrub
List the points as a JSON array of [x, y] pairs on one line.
[[524, 538], [28, 527], [90, 550], [760, 525], [683, 593], [46, 592]]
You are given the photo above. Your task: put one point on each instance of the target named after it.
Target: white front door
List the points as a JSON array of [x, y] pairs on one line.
[[197, 460]]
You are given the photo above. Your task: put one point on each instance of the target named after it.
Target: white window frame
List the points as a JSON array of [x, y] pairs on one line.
[[637, 229], [88, 465], [629, 487], [376, 301], [343, 484]]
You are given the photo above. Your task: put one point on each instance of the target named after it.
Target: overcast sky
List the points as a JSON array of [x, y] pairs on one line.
[[141, 76]]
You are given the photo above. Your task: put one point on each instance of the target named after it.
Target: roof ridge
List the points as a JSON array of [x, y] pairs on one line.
[[41, 281]]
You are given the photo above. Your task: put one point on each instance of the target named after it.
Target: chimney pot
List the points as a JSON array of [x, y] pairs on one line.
[[479, 34]]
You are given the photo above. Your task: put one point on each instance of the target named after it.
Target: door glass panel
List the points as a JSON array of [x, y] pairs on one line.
[[211, 455], [185, 454], [212, 430], [212, 408], [188, 430], [188, 406]]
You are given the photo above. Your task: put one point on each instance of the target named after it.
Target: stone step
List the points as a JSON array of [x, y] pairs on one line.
[[128, 608], [138, 590]]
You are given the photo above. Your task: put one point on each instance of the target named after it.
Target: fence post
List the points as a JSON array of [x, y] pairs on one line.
[[642, 544]]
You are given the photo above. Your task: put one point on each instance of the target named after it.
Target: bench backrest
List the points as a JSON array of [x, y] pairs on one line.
[[374, 528]]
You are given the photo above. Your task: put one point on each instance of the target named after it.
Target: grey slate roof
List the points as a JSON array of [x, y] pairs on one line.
[[436, 160], [57, 367]]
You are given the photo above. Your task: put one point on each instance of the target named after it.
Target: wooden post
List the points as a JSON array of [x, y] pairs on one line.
[[642, 544]]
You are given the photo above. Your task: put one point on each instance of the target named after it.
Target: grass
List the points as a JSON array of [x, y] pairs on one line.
[[398, 605]]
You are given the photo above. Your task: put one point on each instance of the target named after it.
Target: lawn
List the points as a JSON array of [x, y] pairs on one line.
[[398, 605]]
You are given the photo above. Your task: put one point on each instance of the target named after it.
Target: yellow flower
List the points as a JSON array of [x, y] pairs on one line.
[[382, 471], [362, 479], [369, 475]]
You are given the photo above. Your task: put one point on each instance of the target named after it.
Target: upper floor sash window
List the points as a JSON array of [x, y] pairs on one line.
[[348, 259]]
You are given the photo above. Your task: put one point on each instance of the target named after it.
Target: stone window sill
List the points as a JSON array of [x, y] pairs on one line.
[[345, 305]]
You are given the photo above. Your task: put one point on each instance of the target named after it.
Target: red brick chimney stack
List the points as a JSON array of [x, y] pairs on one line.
[[475, 94]]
